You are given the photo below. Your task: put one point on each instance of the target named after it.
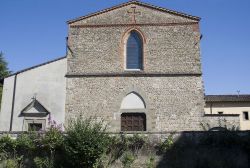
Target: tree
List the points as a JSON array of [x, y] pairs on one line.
[[4, 71]]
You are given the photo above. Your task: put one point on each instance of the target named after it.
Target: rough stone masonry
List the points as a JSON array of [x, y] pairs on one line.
[[170, 82]]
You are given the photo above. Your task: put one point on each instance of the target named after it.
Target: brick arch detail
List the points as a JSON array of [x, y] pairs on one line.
[[123, 41]]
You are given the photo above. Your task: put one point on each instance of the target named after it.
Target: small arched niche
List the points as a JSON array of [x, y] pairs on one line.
[[133, 113], [133, 101]]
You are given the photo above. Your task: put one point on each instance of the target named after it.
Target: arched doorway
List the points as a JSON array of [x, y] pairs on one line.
[[133, 116]]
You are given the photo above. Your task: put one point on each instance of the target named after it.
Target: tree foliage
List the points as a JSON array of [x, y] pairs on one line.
[[4, 71]]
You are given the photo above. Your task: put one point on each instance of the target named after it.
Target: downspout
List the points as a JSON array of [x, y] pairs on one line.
[[13, 102], [66, 45], [211, 108]]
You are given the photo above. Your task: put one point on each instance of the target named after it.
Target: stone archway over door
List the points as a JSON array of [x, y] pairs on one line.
[[133, 113]]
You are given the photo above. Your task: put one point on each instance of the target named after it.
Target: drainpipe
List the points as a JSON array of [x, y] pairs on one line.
[[211, 108], [13, 102], [66, 45]]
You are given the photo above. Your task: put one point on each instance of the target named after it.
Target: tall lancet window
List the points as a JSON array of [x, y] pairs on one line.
[[134, 52]]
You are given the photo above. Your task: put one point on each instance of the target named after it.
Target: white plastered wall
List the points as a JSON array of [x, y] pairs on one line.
[[231, 108], [5, 112], [47, 83]]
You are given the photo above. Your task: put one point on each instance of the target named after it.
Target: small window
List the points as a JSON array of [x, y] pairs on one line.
[[220, 112], [245, 115], [35, 126]]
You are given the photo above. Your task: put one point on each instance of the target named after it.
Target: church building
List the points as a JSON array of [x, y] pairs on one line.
[[136, 66]]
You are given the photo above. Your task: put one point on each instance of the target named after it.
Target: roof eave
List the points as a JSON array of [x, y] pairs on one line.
[[36, 66], [244, 98], [227, 101], [138, 3]]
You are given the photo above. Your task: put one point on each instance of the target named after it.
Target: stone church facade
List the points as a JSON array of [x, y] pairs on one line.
[[135, 65], [169, 82]]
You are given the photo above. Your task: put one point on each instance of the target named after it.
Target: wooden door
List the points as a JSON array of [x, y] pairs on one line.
[[133, 122]]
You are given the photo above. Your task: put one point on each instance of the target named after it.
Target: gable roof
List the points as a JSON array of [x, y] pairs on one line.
[[41, 110], [136, 3], [36, 66], [227, 98]]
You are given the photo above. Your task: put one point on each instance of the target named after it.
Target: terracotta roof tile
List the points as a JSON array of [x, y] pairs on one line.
[[228, 98]]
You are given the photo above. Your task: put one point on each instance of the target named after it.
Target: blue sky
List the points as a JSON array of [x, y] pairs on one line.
[[34, 31]]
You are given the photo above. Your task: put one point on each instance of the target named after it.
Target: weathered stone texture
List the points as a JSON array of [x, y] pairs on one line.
[[168, 49], [172, 103], [121, 16], [222, 121]]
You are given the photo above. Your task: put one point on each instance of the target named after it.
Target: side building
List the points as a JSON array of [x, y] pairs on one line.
[[34, 96], [229, 105]]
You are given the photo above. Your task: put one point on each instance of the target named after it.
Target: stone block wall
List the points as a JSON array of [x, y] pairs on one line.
[[230, 121], [170, 81], [167, 49], [172, 103], [171, 42]]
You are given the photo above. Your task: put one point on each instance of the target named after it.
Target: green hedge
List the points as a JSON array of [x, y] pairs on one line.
[[87, 144]]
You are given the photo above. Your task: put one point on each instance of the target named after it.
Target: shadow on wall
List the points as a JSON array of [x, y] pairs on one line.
[[222, 149]]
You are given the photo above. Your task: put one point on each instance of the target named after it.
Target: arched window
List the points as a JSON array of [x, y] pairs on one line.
[[133, 117], [134, 54]]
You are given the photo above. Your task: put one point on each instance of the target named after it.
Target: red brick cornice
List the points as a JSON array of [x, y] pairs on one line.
[[137, 24]]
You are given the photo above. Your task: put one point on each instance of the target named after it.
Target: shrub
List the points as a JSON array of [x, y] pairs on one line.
[[25, 143], [116, 148], [51, 142], [7, 145], [85, 143], [53, 139], [151, 162], [42, 162], [127, 159], [135, 143], [166, 144]]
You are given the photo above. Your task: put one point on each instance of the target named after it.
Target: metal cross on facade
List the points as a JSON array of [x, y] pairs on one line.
[[34, 97], [133, 13]]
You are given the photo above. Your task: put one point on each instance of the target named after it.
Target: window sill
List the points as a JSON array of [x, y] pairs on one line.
[[131, 70], [132, 132]]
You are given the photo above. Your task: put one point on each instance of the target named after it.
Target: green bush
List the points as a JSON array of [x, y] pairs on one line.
[[116, 149], [53, 139], [86, 142], [166, 144], [8, 154], [128, 159], [42, 162], [51, 144], [151, 162], [120, 147], [135, 143], [25, 143], [7, 144]]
